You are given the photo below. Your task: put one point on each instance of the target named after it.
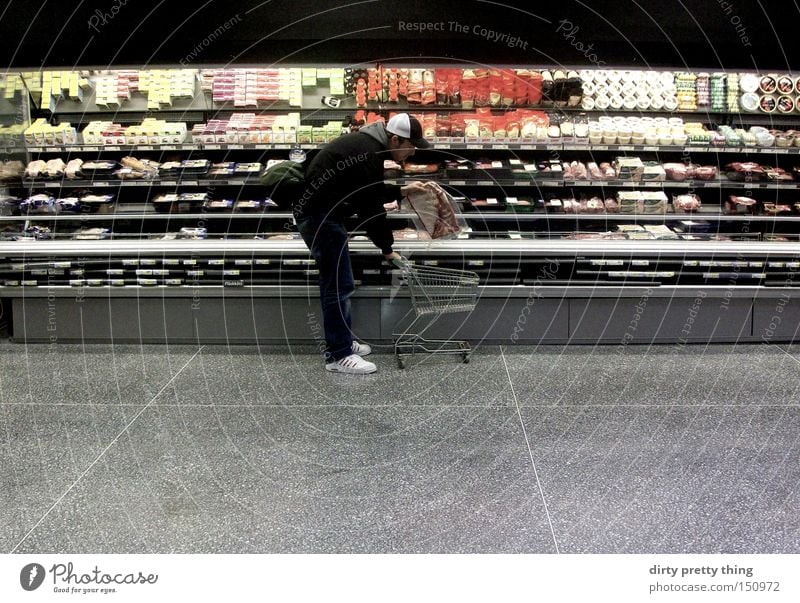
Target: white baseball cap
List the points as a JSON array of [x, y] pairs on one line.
[[407, 126]]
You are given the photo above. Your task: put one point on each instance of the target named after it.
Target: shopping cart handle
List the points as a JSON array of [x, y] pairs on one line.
[[401, 263]]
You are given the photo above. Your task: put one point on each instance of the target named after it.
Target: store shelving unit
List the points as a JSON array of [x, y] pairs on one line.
[[568, 290]]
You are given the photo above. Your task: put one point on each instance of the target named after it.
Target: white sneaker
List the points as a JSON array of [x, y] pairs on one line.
[[352, 365], [362, 349]]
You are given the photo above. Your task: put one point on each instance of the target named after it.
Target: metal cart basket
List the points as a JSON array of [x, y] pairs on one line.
[[435, 291]]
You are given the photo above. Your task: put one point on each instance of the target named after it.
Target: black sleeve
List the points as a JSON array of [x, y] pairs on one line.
[[370, 207]]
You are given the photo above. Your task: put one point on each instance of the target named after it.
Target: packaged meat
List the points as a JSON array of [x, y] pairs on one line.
[[705, 172], [99, 169], [195, 166], [676, 171], [248, 169], [579, 171], [73, 169], [68, 205], [35, 169], [223, 169], [612, 206], [777, 209], [92, 234], [11, 170], [571, 206], [740, 205], [420, 168], [592, 206], [97, 203], [567, 170], [436, 211], [739, 172], [554, 206], [609, 173], [218, 205], [686, 203], [38, 204], [55, 168], [143, 166], [594, 171], [252, 205]]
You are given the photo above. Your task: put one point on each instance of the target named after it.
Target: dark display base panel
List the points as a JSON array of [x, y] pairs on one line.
[[687, 316]]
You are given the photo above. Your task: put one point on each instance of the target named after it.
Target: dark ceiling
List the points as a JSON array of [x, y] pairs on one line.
[[712, 34]]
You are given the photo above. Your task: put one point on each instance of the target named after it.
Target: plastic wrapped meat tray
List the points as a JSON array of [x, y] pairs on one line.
[[436, 212]]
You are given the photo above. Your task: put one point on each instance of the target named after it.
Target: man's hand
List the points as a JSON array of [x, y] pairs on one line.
[[391, 257]]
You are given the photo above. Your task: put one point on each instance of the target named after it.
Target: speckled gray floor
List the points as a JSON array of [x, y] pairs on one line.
[[577, 449]]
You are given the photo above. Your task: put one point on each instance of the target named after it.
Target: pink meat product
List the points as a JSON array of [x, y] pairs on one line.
[[612, 205], [609, 173], [568, 174], [592, 206], [740, 205], [705, 172], [744, 171], [676, 171], [594, 171], [571, 206], [579, 171], [686, 203]]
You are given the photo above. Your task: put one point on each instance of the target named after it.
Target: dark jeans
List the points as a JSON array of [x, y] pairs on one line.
[[327, 241]]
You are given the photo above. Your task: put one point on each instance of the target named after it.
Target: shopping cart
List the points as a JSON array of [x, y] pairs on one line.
[[434, 291]]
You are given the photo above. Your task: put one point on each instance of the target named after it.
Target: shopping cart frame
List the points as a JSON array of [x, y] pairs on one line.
[[435, 291]]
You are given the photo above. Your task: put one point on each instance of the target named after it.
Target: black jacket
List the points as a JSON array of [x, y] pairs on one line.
[[346, 178]]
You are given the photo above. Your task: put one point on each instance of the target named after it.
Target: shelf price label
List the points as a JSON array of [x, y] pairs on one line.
[[212, 147], [235, 146], [146, 147]]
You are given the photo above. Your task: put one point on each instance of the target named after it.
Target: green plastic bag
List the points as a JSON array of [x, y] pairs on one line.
[[286, 182]]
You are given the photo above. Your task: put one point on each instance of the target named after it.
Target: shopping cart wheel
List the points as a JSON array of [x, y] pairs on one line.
[[465, 357], [401, 363]]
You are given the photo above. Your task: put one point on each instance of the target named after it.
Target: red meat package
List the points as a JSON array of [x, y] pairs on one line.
[[454, 87], [436, 211], [482, 87], [495, 87]]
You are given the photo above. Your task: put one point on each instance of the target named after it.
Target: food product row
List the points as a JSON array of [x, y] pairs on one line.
[[521, 125], [625, 202], [452, 87], [484, 171], [131, 168], [630, 202], [621, 168]]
